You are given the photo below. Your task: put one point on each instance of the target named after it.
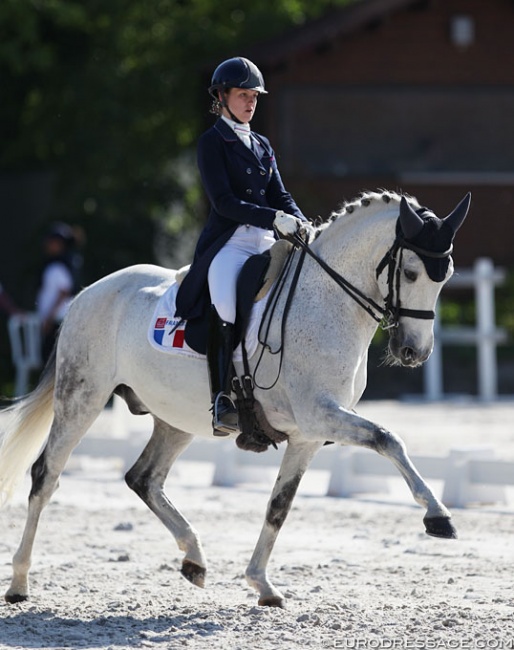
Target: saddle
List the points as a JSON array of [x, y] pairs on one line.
[[254, 282]]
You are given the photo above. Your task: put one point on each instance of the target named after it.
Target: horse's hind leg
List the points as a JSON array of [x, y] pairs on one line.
[[147, 478], [69, 425], [296, 460]]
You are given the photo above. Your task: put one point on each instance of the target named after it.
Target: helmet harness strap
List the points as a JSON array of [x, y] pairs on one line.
[[224, 104]]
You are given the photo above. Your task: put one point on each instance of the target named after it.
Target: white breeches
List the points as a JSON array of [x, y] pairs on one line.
[[225, 267]]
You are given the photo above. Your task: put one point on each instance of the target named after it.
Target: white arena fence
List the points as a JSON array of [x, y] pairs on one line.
[[25, 338], [470, 474], [483, 278]]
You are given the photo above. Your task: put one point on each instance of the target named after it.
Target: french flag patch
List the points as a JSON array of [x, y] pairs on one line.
[[169, 332]]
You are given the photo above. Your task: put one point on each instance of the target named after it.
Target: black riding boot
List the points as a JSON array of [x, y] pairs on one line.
[[220, 348]]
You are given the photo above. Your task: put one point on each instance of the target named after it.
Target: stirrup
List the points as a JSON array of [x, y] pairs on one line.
[[228, 426]]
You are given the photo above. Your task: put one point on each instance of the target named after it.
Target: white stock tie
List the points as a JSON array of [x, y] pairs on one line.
[[243, 132]]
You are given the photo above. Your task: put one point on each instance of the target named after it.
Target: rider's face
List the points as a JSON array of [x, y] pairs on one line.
[[242, 103]]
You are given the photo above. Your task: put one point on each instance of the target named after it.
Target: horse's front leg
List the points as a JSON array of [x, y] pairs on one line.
[[348, 428], [296, 460]]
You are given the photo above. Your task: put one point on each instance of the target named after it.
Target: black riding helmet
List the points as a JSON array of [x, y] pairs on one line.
[[237, 72]]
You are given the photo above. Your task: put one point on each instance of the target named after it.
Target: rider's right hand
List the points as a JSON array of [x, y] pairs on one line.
[[286, 224]]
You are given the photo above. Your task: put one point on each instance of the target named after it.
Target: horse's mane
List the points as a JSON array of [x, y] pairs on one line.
[[368, 200]]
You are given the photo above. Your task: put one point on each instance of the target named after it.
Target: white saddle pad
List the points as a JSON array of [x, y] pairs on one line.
[[166, 333]]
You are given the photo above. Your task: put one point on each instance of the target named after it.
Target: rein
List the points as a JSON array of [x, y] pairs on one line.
[[360, 298], [387, 317], [269, 313]]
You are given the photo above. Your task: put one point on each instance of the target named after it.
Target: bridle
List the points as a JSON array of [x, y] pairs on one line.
[[393, 310], [388, 316]]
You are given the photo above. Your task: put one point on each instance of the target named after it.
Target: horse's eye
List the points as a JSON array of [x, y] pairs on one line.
[[410, 275]]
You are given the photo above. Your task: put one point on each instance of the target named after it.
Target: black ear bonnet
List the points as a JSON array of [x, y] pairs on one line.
[[430, 237], [435, 237]]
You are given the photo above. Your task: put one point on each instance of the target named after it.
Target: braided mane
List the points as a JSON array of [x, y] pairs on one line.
[[367, 198]]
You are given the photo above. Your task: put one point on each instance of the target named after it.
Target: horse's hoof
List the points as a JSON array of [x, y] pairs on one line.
[[272, 601], [440, 527], [194, 573], [12, 599]]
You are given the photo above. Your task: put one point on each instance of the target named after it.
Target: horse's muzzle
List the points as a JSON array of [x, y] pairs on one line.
[[406, 351]]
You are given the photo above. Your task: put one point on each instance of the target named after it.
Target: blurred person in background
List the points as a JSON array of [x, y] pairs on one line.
[[59, 281]]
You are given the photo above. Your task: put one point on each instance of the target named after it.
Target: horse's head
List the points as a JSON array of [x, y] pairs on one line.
[[411, 276]]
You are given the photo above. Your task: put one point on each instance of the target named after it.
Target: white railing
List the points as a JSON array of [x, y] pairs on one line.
[[483, 278], [470, 474], [25, 339], [467, 475]]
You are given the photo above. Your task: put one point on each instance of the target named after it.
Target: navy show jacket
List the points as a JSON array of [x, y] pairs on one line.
[[242, 189]]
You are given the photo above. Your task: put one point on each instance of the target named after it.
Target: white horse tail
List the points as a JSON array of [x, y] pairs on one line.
[[27, 429]]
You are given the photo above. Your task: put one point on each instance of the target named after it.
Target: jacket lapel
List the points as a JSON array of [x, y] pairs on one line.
[[239, 147]]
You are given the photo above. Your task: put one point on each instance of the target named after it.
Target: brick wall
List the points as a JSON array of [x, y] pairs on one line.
[[410, 48], [487, 232], [413, 46]]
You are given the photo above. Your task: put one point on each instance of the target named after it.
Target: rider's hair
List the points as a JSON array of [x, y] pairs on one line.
[[217, 106]]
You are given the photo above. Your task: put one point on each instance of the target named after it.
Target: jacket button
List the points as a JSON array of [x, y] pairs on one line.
[[263, 192], [248, 191], [248, 170], [263, 173]]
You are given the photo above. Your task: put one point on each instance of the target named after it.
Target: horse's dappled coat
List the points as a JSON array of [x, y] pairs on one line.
[[321, 381]]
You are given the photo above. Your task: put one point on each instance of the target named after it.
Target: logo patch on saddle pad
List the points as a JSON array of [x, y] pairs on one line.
[[169, 332], [166, 332]]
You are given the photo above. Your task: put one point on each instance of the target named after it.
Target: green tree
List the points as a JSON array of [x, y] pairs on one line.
[[111, 96]]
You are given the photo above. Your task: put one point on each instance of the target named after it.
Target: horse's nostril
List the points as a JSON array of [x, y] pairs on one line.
[[408, 354]]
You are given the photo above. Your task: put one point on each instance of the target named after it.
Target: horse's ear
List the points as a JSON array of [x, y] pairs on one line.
[[456, 218], [410, 221]]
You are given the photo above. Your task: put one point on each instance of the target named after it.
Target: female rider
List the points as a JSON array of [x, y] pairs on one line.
[[247, 202]]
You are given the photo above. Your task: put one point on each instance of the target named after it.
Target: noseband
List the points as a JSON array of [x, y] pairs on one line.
[[393, 260], [389, 315]]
